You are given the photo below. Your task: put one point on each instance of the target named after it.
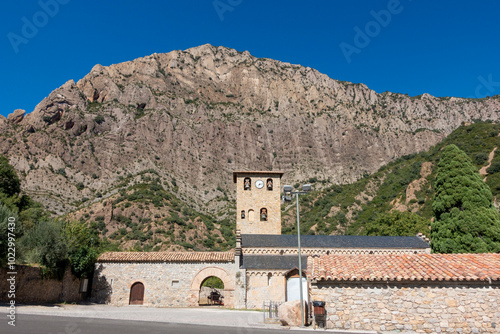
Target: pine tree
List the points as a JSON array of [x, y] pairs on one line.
[[465, 219]]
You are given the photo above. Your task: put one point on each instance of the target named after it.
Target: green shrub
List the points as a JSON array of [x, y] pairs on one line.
[[82, 261], [45, 244], [480, 158], [494, 168], [99, 119]]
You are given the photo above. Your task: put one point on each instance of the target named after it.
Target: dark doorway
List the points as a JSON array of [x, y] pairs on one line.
[[212, 291], [137, 294]]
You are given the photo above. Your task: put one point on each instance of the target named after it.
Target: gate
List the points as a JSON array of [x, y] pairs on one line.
[[270, 309]]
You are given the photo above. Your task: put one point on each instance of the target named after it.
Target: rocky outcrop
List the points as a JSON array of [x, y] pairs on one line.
[[17, 116], [195, 116]]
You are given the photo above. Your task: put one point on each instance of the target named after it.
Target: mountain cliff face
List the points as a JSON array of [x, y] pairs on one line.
[[194, 116]]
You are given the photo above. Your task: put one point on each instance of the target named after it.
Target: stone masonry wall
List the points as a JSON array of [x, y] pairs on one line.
[[430, 308], [165, 284], [240, 289], [255, 199], [261, 288], [32, 288]]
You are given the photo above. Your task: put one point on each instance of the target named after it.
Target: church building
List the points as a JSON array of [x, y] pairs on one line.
[[263, 267]]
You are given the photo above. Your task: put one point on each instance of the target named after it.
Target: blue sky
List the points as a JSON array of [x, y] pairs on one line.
[[444, 48]]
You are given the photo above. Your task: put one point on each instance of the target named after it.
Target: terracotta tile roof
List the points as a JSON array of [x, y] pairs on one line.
[[167, 257], [405, 267]]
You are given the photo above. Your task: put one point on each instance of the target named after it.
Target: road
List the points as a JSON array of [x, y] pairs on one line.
[[44, 324]]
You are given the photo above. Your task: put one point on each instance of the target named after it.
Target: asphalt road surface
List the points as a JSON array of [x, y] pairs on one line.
[[43, 324]]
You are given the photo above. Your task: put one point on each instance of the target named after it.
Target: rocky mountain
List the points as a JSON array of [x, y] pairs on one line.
[[192, 117], [401, 192]]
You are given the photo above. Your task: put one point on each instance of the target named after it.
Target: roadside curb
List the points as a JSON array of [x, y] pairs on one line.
[[247, 320]]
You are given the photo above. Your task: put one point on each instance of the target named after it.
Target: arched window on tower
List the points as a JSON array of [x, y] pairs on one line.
[[269, 184], [247, 183], [263, 215], [242, 214]]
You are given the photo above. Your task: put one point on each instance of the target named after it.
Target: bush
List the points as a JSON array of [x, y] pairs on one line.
[[494, 168], [82, 261], [480, 158], [398, 224], [213, 282], [99, 119], [45, 244]]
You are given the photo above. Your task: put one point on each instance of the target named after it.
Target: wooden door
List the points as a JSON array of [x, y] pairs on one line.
[[137, 294]]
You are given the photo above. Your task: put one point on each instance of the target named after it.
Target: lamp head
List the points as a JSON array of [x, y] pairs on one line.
[[287, 189]]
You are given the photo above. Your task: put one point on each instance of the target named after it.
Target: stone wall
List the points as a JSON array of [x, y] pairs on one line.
[[265, 286], [422, 308], [165, 284], [31, 288], [240, 293]]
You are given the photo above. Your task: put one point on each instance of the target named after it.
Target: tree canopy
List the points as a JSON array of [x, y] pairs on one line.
[[9, 182], [466, 220], [398, 224]]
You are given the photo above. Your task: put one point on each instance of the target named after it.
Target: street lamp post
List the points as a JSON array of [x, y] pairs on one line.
[[288, 190]]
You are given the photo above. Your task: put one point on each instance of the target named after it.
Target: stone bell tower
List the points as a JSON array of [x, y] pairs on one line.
[[258, 205]]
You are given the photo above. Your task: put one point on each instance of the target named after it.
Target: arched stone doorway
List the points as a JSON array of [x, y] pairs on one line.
[[136, 294], [202, 275], [211, 291]]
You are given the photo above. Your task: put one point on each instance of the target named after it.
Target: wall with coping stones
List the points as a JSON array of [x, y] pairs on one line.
[[422, 308], [31, 287], [112, 282]]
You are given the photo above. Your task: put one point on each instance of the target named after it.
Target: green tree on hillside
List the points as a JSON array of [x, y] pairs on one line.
[[398, 224], [28, 210], [9, 182], [466, 220]]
